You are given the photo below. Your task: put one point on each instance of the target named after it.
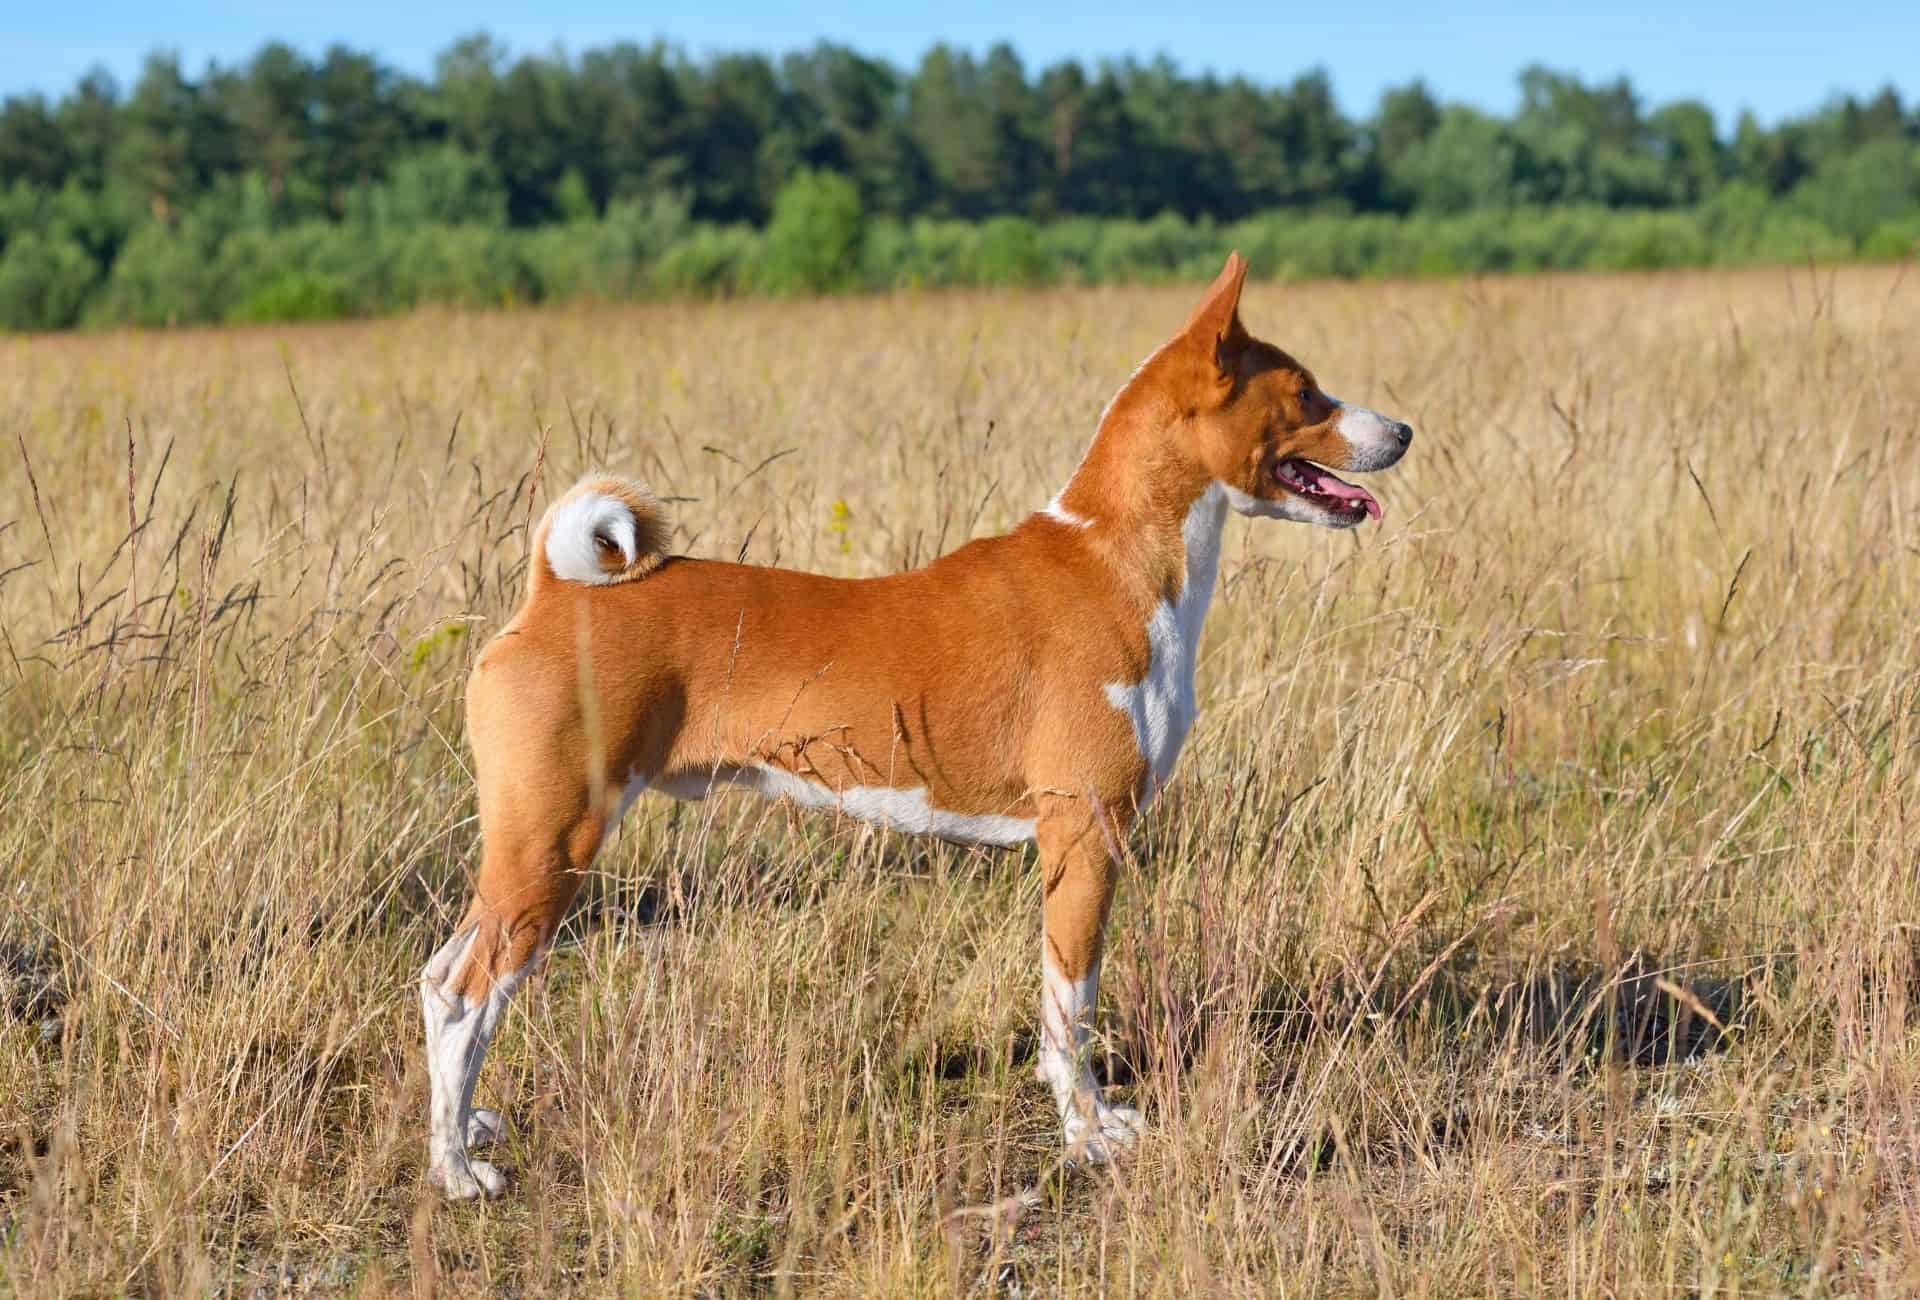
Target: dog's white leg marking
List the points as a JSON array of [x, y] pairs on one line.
[[1094, 1132], [484, 1127], [458, 1032]]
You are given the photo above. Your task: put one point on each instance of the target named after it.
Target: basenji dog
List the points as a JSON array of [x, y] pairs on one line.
[[1029, 688]]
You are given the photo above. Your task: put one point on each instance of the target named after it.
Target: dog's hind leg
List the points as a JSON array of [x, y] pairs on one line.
[[1078, 845], [527, 879]]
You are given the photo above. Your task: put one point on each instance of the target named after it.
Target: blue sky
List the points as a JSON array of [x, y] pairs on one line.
[[1777, 59]]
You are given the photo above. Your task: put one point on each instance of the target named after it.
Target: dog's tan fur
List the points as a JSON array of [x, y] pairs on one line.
[[979, 678]]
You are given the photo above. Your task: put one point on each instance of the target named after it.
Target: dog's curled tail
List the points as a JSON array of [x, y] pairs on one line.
[[602, 531]]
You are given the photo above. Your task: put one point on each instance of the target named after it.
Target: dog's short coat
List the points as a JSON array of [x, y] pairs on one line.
[[1034, 686]]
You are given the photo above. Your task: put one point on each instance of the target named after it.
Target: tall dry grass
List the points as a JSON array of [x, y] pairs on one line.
[[1533, 909]]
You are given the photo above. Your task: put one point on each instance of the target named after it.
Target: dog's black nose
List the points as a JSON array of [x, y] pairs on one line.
[[1404, 432]]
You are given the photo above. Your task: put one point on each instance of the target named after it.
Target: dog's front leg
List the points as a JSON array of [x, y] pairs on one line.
[[1078, 868]]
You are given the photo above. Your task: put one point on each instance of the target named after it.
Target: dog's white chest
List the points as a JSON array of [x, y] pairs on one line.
[[1161, 704]]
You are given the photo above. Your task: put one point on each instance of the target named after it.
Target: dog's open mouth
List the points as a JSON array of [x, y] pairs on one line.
[[1324, 489]]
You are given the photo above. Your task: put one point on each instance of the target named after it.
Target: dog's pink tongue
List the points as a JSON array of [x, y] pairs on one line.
[[1327, 485]]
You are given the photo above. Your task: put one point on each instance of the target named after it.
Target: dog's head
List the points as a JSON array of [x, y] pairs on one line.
[[1260, 424]]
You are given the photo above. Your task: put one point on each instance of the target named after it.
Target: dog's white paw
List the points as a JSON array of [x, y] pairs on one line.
[[1104, 1136], [485, 1127], [464, 1180]]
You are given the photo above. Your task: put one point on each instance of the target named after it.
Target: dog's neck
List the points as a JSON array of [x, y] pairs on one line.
[[1144, 500]]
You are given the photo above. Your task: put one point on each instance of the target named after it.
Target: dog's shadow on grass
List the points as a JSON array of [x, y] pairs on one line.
[[1643, 1013], [31, 988]]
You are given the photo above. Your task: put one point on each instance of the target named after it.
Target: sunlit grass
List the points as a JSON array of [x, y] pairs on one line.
[[1533, 909]]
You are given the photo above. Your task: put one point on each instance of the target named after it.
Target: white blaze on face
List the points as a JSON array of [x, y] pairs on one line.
[[1371, 436]]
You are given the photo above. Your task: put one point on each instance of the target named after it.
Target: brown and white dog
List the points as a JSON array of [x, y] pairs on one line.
[[1031, 687]]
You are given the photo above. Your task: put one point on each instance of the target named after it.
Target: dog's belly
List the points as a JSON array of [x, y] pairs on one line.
[[909, 810]]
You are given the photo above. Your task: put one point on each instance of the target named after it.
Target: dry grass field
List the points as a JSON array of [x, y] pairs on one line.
[[1534, 909]]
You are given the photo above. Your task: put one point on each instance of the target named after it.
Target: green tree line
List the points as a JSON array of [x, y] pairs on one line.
[[292, 187]]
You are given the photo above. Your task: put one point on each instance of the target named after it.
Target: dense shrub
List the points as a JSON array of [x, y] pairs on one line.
[[921, 253], [709, 261], [67, 256], [44, 281], [163, 276], [1893, 239], [294, 295], [1010, 253], [1853, 194], [445, 186], [813, 242]]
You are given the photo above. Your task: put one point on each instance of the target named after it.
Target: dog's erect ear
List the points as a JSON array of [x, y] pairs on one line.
[[1215, 324]]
